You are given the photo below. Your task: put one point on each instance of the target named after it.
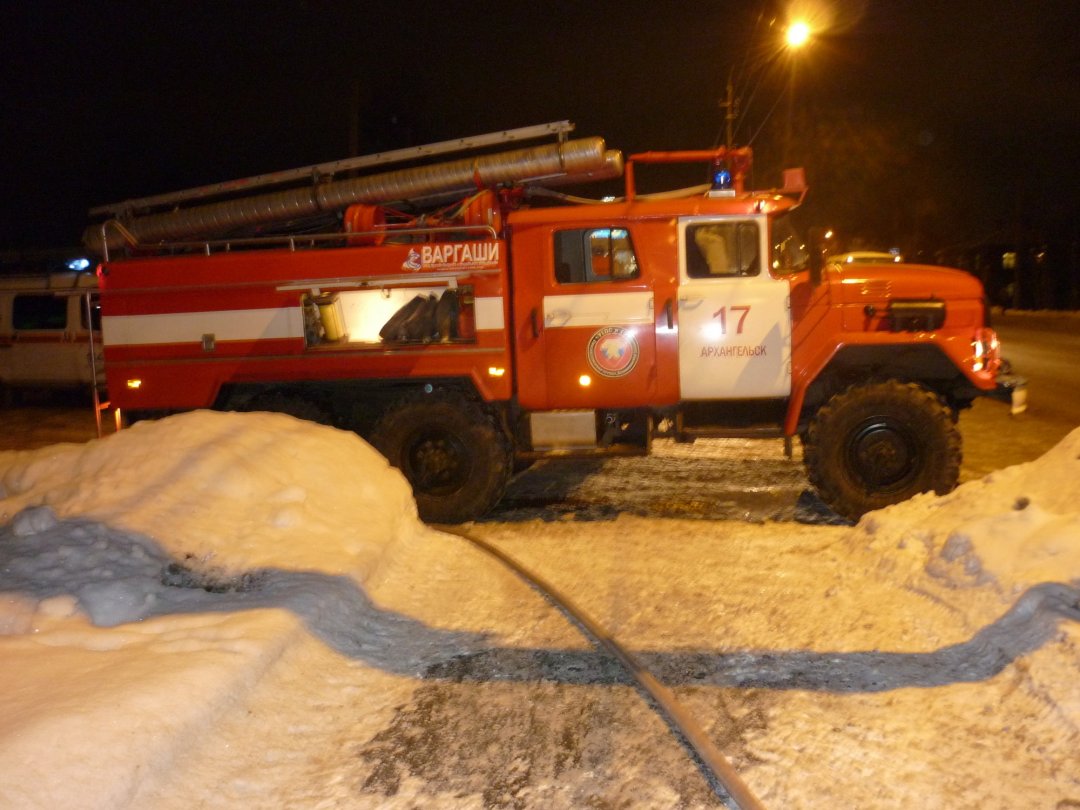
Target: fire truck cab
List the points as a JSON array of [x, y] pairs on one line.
[[494, 327]]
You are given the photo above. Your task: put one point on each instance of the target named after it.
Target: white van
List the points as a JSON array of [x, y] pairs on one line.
[[48, 324]]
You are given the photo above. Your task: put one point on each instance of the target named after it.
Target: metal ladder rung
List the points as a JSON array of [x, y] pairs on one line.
[[559, 128]]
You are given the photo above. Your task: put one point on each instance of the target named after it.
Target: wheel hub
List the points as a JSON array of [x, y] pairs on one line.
[[437, 463], [882, 453]]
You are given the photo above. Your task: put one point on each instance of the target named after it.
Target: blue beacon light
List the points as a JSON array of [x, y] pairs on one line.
[[721, 180]]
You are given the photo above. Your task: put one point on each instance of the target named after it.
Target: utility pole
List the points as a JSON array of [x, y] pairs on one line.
[[730, 105], [790, 116]]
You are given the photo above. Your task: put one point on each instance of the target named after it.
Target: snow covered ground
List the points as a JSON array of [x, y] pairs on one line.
[[221, 610]]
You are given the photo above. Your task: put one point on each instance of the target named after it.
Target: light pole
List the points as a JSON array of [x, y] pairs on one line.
[[731, 106], [796, 36]]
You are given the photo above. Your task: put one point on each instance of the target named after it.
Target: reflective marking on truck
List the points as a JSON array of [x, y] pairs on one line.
[[600, 309], [241, 324], [189, 327], [489, 313]]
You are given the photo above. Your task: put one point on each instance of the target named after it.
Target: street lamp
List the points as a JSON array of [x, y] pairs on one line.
[[798, 34], [795, 36]]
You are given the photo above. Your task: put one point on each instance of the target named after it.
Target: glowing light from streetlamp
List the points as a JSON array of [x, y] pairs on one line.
[[798, 34]]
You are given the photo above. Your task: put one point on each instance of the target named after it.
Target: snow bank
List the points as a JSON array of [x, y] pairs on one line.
[[1011, 530], [235, 491], [225, 535], [150, 579]]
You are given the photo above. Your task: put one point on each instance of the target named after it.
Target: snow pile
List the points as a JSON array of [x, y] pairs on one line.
[[225, 535], [150, 582], [1011, 530], [227, 490]]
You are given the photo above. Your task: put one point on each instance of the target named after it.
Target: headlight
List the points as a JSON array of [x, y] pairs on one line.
[[986, 350]]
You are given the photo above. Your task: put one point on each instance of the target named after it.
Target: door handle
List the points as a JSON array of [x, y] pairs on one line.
[[688, 303], [534, 320], [669, 313]]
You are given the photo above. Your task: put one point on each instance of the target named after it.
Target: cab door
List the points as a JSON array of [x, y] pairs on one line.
[[595, 330], [734, 318]]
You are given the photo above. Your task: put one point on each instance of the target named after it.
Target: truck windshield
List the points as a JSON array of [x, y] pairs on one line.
[[789, 252]]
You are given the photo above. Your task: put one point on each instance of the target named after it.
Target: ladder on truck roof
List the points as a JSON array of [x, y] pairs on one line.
[[164, 219], [323, 171]]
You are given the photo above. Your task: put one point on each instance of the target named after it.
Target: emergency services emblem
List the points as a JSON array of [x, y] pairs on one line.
[[613, 351], [413, 261]]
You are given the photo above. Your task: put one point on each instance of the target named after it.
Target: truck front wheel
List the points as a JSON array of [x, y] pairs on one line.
[[452, 453], [878, 444]]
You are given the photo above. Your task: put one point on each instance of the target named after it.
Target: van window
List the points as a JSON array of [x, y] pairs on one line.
[[39, 312], [95, 313], [594, 255]]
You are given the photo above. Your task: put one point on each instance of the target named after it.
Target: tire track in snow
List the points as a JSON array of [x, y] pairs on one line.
[[719, 772]]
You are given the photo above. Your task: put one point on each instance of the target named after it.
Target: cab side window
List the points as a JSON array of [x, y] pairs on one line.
[[594, 255], [39, 312], [722, 249]]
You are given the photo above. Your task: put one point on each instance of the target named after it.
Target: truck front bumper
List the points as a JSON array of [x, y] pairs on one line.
[[1012, 390]]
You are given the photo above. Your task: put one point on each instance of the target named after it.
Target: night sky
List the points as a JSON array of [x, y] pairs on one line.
[[950, 120]]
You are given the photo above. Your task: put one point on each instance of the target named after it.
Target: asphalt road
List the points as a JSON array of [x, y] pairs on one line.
[[1046, 349], [1043, 348]]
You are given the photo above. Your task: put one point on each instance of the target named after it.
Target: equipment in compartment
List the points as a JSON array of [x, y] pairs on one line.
[[333, 322], [425, 319]]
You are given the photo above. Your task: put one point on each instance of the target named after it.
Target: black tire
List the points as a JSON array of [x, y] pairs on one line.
[[878, 444], [453, 454]]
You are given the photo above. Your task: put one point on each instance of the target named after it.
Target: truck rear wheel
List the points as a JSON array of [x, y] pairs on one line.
[[878, 444], [452, 453]]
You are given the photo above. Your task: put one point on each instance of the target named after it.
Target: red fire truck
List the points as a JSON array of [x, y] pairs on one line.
[[466, 316]]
